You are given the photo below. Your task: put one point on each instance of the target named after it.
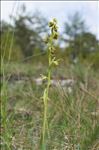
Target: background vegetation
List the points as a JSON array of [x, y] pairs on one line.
[[73, 115], [26, 38]]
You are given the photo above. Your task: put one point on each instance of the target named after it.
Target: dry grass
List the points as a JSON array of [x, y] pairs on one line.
[[72, 124]]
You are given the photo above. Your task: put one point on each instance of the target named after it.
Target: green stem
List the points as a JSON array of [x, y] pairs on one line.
[[45, 124], [53, 36]]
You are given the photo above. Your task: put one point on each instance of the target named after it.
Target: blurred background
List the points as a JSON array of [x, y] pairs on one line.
[[24, 25], [73, 101]]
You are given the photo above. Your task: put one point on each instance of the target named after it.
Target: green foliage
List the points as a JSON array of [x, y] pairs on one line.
[[9, 48], [87, 44], [5, 27], [75, 26], [29, 30], [81, 43], [24, 39], [93, 59]]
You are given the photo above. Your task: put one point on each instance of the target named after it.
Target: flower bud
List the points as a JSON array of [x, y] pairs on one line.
[[55, 36], [54, 20], [50, 24]]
